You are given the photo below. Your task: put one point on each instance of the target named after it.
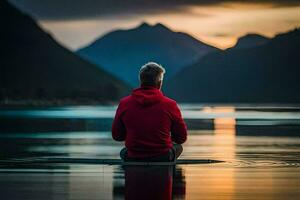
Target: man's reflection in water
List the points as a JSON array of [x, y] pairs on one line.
[[151, 182]]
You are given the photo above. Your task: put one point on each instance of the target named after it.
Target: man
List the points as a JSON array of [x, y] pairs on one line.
[[148, 121]]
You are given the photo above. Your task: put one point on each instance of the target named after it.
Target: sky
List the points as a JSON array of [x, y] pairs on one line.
[[77, 23]]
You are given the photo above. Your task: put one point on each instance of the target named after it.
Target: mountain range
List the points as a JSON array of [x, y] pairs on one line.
[[255, 70], [123, 52], [34, 66], [267, 73]]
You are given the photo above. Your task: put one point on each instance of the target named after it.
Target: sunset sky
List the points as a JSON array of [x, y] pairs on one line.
[[77, 23]]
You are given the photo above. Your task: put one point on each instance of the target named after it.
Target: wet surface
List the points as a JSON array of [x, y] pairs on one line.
[[261, 154]]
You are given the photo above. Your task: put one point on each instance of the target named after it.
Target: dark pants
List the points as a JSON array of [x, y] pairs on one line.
[[171, 155]]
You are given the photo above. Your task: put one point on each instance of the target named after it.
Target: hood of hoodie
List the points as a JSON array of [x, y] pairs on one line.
[[147, 95]]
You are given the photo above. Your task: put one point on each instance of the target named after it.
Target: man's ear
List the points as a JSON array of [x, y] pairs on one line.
[[159, 84]]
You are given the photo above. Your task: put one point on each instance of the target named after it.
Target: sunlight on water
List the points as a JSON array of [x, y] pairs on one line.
[[212, 181]]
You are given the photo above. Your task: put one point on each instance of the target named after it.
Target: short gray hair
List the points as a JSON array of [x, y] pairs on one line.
[[151, 74]]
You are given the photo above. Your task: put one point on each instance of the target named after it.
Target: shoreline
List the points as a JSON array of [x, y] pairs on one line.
[[47, 103], [34, 104]]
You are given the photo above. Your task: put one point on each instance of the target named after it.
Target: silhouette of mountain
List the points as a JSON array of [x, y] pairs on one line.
[[266, 73], [250, 40], [123, 52], [34, 66]]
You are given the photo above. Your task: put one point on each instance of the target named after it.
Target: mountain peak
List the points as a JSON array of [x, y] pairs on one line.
[[250, 40], [252, 36], [24, 72], [157, 26], [160, 25], [144, 25], [295, 31], [136, 46]]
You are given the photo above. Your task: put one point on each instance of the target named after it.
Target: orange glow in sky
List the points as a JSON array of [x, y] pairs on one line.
[[219, 25]]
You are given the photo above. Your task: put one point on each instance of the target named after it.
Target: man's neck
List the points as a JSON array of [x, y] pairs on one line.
[[151, 86]]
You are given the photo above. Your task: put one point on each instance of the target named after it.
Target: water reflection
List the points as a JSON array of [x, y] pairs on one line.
[[221, 145], [225, 132], [150, 182]]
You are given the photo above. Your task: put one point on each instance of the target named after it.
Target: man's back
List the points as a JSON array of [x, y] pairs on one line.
[[145, 120]]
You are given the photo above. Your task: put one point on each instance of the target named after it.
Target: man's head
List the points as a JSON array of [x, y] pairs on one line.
[[151, 74]]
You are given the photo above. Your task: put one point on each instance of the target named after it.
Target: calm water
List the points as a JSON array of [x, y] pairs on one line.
[[260, 147]]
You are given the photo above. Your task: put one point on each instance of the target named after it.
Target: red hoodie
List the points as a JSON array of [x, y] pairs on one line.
[[148, 122]]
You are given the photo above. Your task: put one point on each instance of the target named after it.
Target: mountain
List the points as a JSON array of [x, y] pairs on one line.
[[34, 66], [266, 73], [250, 40], [123, 52]]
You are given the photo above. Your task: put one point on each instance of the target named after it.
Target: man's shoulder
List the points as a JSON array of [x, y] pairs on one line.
[[169, 101], [125, 99]]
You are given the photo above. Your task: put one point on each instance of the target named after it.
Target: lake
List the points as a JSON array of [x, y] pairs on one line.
[[259, 144]]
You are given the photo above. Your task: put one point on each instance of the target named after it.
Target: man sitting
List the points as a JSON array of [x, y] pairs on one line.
[[148, 121]]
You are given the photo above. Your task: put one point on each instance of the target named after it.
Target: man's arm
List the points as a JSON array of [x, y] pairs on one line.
[[178, 128], [118, 128]]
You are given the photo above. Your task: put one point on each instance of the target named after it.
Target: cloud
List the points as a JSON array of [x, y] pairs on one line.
[[79, 9]]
